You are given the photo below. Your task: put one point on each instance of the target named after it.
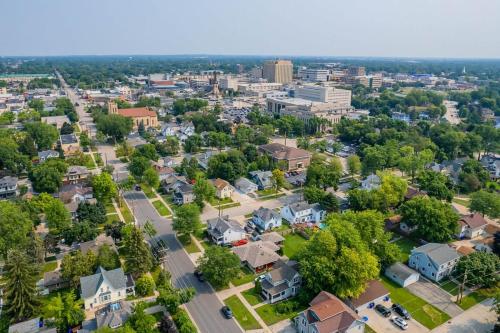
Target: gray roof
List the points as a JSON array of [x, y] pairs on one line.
[[47, 153], [273, 290], [301, 205], [257, 253], [438, 253], [220, 225], [90, 284], [400, 270], [283, 273], [68, 138], [273, 237], [263, 176], [244, 183], [265, 214], [115, 315], [8, 181], [77, 169]]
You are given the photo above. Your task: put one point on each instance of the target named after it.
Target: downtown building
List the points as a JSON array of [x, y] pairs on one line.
[[278, 71]]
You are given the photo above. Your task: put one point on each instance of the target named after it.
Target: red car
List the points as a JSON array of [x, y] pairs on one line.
[[240, 242]]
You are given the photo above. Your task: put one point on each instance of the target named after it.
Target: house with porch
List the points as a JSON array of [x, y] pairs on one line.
[[282, 282], [471, 226], [263, 179], [433, 260], [259, 256], [222, 188], [303, 212], [224, 231], [8, 187], [266, 218], [76, 174], [184, 194]]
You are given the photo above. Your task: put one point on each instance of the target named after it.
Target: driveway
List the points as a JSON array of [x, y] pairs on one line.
[[436, 296], [383, 325], [478, 319]]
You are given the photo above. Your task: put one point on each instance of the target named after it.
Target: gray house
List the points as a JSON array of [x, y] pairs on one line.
[[402, 274], [8, 187], [245, 185], [266, 219], [434, 261], [184, 194], [281, 283], [114, 315], [263, 179], [46, 154]]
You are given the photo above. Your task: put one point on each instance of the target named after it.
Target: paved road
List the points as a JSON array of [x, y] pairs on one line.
[[436, 296], [451, 112], [205, 307]]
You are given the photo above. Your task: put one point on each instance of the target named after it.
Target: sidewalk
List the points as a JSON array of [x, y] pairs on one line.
[[253, 312]]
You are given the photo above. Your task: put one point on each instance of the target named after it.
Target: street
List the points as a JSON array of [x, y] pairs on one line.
[[205, 307]]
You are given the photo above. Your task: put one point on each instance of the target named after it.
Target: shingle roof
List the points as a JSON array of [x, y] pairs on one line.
[[273, 237], [68, 139], [333, 314], [220, 225], [282, 272], [265, 214], [91, 284], [473, 221], [282, 152], [374, 289], [400, 270], [258, 253], [439, 253], [136, 112], [8, 181]]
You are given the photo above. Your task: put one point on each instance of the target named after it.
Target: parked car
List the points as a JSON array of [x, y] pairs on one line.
[[383, 310], [199, 276], [239, 242], [138, 187], [260, 278], [248, 229], [226, 311], [400, 310], [399, 322]]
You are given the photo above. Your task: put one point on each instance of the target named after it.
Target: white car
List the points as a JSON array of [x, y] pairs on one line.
[[399, 322]]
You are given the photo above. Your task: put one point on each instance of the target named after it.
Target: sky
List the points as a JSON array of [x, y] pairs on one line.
[[365, 28]]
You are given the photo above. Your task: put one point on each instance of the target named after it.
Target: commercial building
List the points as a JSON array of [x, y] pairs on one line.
[[313, 74], [279, 71], [341, 98], [295, 158], [257, 88], [228, 82], [356, 71]]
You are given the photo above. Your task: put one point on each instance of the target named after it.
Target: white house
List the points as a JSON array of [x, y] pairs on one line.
[[303, 212], [105, 287], [434, 261], [222, 188], [372, 182], [402, 274], [471, 226], [266, 219], [280, 283], [224, 231]]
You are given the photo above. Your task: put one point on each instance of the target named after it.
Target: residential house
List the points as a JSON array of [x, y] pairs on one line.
[[434, 261], [76, 174], [371, 182], [8, 187], [487, 243], [105, 287], [69, 144], [374, 293], [245, 186], [266, 219], [294, 158], [57, 121], [392, 223], [492, 164], [75, 193], [412, 192], [52, 281], [328, 314], [453, 168], [184, 194], [224, 231], [169, 129], [303, 212], [401, 274], [263, 179], [471, 226], [272, 237], [168, 161], [46, 154], [259, 256], [96, 244], [113, 315], [282, 282], [172, 182], [222, 188], [35, 325], [186, 130]]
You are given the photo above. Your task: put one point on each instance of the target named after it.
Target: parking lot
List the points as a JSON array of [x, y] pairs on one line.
[[382, 324]]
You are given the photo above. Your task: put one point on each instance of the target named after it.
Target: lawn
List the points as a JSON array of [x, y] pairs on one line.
[[245, 276], [231, 205], [241, 313], [421, 311], [110, 208], [449, 286], [405, 245], [98, 159], [474, 298], [49, 266], [127, 215], [263, 193], [270, 316], [293, 244], [462, 202], [148, 191], [270, 197], [251, 296], [368, 329], [188, 244], [112, 217], [216, 201], [161, 208]]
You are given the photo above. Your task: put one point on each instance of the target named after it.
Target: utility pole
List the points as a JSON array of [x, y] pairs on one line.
[[460, 294]]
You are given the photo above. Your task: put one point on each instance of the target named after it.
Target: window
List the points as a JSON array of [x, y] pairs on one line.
[[432, 274]]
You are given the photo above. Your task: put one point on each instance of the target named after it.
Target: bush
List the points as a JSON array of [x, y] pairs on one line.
[[145, 286], [287, 307], [183, 322]]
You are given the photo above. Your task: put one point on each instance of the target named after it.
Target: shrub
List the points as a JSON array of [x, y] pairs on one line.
[[145, 286]]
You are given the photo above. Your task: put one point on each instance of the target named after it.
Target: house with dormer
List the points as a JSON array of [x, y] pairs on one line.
[[303, 212], [280, 283]]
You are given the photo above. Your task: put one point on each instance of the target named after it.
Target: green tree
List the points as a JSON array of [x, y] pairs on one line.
[[93, 213], [57, 216], [172, 145], [435, 221], [45, 135], [145, 285], [15, 224], [140, 321], [412, 162], [138, 259], [104, 187], [193, 144], [435, 184], [187, 219], [107, 258], [84, 139], [278, 179], [66, 310], [203, 190], [151, 178], [20, 286], [114, 125], [37, 104], [47, 177], [481, 268], [485, 203], [138, 166], [76, 265], [219, 265], [353, 164]]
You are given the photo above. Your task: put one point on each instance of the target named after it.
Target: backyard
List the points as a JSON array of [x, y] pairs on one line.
[[242, 315], [293, 244], [421, 311], [405, 245]]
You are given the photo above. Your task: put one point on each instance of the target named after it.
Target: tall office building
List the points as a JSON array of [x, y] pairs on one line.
[[356, 71], [278, 71]]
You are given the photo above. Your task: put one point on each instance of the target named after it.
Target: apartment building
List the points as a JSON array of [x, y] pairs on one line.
[[278, 71]]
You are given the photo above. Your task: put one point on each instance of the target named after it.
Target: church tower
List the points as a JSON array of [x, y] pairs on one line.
[[112, 107]]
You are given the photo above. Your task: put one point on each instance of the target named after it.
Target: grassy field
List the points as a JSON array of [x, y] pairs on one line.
[[245, 276], [421, 311], [112, 217], [188, 244], [216, 201], [127, 215], [474, 298], [293, 244], [406, 245], [263, 193], [110, 208], [252, 297], [241, 313], [449, 286], [270, 316], [161, 208]]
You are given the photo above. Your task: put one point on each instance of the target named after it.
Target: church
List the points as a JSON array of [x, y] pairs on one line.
[[139, 115]]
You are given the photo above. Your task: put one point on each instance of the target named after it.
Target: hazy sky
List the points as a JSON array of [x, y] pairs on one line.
[[410, 28]]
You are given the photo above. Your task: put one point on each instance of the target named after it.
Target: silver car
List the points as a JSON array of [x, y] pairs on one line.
[[399, 322]]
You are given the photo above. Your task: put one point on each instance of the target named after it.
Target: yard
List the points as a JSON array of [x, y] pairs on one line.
[[245, 276], [293, 244], [127, 215], [161, 208], [98, 159], [242, 315], [263, 193], [49, 266], [450, 286], [110, 218], [475, 297], [269, 197], [271, 316], [148, 191], [462, 202], [421, 311], [188, 244], [252, 296], [110, 208], [405, 245], [216, 201]]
